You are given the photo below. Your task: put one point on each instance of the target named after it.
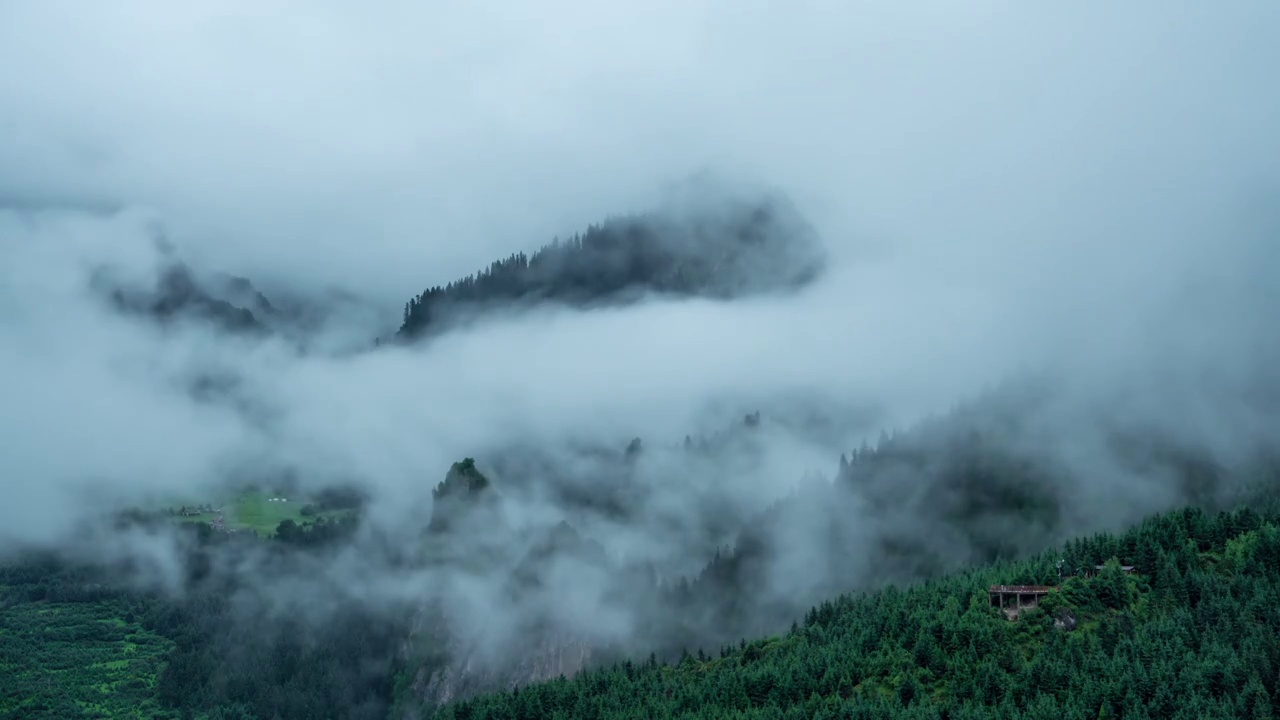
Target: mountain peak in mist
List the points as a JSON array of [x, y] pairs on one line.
[[463, 489], [178, 293], [700, 244]]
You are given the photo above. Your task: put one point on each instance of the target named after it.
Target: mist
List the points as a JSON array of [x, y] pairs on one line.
[[1083, 195]]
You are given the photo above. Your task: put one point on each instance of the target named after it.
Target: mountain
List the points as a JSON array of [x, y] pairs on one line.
[[706, 243], [462, 496], [232, 304], [317, 320], [237, 640], [721, 247], [1190, 633], [510, 585], [976, 486]]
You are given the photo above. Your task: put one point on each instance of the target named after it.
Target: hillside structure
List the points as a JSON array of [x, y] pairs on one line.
[[1018, 597], [1013, 598]]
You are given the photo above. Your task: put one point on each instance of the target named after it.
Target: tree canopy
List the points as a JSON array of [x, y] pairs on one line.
[[1191, 635]]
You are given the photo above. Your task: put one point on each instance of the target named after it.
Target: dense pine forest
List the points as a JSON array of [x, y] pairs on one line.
[[1190, 635]]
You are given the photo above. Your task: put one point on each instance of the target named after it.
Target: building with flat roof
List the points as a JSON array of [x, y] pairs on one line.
[[1017, 597]]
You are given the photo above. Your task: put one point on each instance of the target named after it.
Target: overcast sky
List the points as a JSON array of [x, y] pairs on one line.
[[1001, 184], [397, 143]]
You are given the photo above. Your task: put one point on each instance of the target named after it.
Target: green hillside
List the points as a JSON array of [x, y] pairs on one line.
[[1193, 635], [82, 655]]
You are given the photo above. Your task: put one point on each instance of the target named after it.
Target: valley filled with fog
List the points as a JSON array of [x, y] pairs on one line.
[[620, 331]]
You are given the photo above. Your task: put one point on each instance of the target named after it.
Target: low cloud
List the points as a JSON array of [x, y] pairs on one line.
[[997, 204]]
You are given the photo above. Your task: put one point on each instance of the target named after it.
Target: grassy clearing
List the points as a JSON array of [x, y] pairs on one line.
[[255, 511]]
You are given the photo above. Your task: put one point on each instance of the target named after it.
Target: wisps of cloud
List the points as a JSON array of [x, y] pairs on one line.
[[1084, 192]]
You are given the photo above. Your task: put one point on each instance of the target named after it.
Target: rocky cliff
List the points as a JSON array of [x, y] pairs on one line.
[[454, 665]]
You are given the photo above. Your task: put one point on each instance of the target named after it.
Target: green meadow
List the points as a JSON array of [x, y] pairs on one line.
[[255, 511]]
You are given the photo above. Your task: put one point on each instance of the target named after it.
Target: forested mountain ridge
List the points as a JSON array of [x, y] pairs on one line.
[[225, 667], [978, 493], [710, 245], [957, 491], [723, 249], [1192, 635], [177, 293]]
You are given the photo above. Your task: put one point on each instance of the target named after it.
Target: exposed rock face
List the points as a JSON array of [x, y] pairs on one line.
[[1065, 620], [492, 622], [456, 669]]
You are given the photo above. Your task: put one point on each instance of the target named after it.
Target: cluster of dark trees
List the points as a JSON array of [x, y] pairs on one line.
[[1192, 635], [324, 531], [332, 499], [721, 251], [457, 500]]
